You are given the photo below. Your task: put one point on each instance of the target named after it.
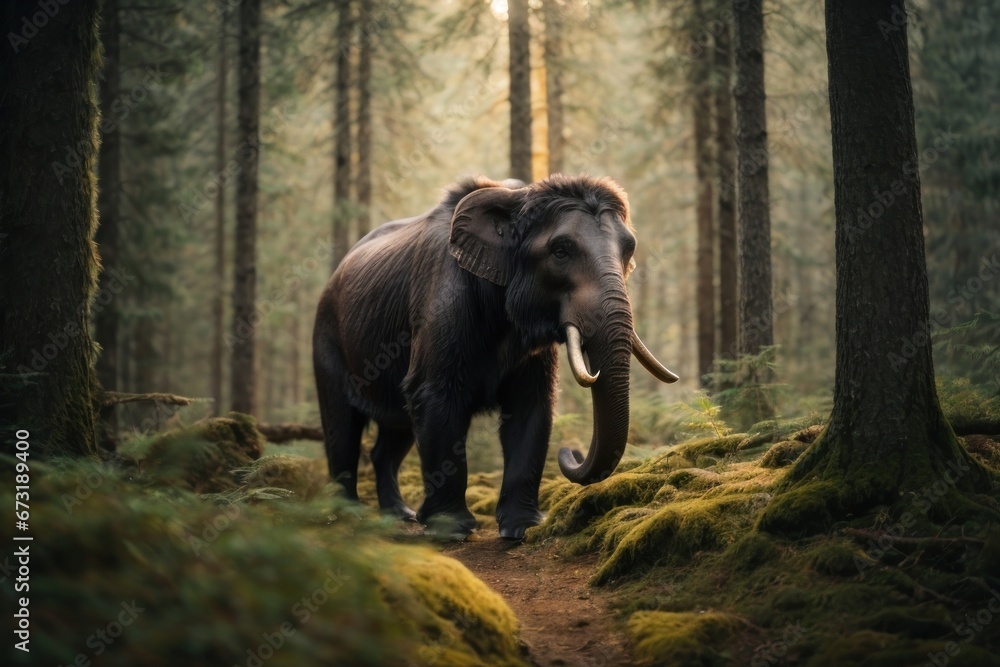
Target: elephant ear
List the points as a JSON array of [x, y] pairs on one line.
[[482, 230]]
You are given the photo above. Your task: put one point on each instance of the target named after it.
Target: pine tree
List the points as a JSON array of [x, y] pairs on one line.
[[725, 148], [218, 299], [886, 437], [755, 309], [107, 318], [48, 150], [701, 112], [243, 357], [520, 90]]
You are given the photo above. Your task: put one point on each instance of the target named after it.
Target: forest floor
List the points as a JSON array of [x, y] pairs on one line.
[[564, 621]]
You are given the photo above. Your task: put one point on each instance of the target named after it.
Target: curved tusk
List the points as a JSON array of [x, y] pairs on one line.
[[576, 362], [651, 364]]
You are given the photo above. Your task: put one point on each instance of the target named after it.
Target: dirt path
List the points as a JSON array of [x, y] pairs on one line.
[[563, 621]]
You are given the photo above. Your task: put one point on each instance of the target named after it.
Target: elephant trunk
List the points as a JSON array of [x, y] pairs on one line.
[[609, 349]]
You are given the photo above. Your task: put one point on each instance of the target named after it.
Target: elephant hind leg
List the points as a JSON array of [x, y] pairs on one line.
[[342, 424], [391, 447]]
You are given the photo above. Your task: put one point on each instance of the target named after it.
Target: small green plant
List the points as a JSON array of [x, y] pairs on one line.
[[705, 416], [746, 391]]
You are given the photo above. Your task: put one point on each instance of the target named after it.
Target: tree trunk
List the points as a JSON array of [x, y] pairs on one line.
[[553, 84], [245, 246], [364, 122], [725, 146], [294, 350], [342, 135], [48, 149], [106, 311], [218, 301], [520, 90], [887, 440], [700, 81], [755, 310]]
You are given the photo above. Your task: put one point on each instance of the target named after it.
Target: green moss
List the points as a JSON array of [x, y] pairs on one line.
[[835, 559], [695, 639], [214, 583], [724, 446], [783, 429], [305, 478], [750, 552], [694, 479], [202, 457], [675, 533], [577, 509], [482, 494], [802, 510], [783, 453]]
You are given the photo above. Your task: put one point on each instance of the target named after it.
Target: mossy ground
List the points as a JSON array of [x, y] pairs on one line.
[[698, 583], [221, 539], [199, 550]]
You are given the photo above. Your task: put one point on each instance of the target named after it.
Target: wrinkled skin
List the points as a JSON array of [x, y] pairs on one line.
[[431, 320]]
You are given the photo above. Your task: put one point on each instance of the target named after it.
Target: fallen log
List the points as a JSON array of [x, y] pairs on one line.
[[289, 431], [112, 398]]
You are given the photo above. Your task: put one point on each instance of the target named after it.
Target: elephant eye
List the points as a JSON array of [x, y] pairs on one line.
[[562, 249]]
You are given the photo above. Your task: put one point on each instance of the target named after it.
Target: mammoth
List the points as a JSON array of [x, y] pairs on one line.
[[430, 320]]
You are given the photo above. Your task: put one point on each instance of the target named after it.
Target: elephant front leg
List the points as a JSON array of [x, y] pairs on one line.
[[526, 403], [441, 430]]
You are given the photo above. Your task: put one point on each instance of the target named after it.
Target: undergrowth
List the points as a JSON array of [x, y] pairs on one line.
[[677, 540], [203, 552]]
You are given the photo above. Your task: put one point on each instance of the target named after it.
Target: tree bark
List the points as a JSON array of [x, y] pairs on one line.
[[48, 150], [520, 90], [887, 440], [242, 364], [755, 309], [342, 134], [725, 146], [218, 301], [364, 123], [553, 84], [106, 313], [106, 318], [701, 90]]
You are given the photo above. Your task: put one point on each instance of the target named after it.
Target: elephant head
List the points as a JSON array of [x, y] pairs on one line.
[[563, 249]]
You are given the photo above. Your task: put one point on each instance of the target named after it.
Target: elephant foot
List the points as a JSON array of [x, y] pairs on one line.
[[454, 525], [514, 527], [400, 511]]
